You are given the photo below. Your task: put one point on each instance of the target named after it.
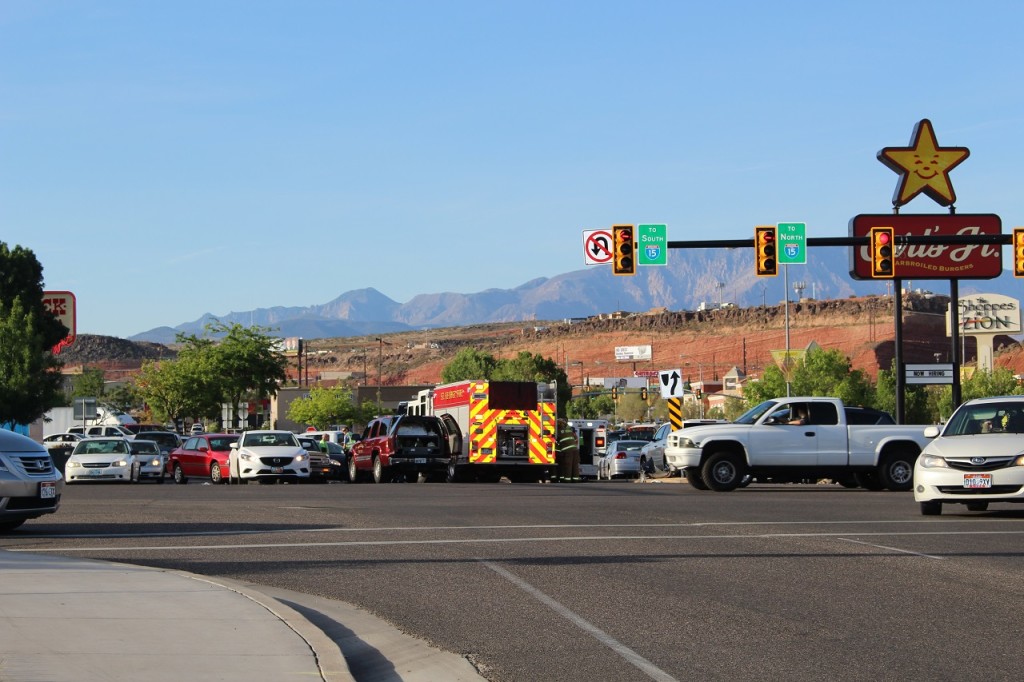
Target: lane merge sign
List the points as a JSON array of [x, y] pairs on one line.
[[597, 247]]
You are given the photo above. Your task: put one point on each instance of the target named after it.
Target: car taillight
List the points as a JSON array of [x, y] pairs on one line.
[[599, 442], [621, 455]]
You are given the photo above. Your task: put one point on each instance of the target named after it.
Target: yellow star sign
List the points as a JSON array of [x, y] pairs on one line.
[[924, 166]]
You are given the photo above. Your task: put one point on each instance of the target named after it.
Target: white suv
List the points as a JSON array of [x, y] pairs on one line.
[[267, 455]]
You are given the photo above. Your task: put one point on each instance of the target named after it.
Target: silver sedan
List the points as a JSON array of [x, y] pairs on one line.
[[621, 460]]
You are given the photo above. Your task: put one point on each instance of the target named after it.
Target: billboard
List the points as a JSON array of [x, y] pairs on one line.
[[633, 353], [932, 261]]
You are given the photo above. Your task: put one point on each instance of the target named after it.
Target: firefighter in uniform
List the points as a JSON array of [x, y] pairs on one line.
[[568, 453]]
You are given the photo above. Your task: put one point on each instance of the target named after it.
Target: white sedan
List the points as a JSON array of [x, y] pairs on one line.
[[100, 459], [268, 456], [978, 457], [622, 459]]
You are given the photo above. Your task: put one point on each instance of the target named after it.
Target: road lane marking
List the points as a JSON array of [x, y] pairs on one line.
[[486, 541], [635, 659], [893, 549]]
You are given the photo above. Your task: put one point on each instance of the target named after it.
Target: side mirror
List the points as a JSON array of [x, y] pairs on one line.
[[931, 432], [234, 446]]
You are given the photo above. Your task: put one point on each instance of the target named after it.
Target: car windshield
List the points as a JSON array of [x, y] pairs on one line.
[[101, 447], [754, 413], [987, 417], [257, 440]]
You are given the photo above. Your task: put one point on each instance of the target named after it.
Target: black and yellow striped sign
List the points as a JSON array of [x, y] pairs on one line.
[[675, 412]]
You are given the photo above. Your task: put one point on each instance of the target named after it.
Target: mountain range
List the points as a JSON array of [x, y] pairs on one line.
[[693, 277]]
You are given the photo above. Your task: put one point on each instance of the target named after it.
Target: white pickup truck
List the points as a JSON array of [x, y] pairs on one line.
[[799, 439]]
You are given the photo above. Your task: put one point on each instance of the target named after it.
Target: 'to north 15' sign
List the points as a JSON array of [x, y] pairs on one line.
[[932, 261]]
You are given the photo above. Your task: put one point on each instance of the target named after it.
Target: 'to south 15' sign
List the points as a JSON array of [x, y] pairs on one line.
[[62, 305], [932, 261]]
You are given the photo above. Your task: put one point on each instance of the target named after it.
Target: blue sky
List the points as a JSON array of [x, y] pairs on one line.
[[164, 160]]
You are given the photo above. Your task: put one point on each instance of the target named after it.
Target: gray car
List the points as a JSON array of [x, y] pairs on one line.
[[30, 486]]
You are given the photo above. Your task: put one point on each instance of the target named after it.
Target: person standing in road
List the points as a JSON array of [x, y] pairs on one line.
[[346, 439], [568, 453]]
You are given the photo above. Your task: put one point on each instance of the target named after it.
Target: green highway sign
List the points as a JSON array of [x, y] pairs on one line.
[[792, 244], [652, 244]]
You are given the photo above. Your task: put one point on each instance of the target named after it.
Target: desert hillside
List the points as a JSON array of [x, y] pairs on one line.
[[709, 342]]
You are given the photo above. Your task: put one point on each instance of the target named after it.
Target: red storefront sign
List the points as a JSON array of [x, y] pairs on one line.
[[932, 261]]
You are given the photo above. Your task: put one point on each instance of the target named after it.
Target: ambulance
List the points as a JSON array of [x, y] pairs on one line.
[[593, 437]]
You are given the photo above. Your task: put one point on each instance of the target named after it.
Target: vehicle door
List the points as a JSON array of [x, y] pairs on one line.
[[190, 457], [833, 449], [453, 435], [362, 451], [776, 442]]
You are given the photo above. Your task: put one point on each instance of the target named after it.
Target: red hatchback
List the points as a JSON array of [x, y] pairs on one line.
[[204, 455]]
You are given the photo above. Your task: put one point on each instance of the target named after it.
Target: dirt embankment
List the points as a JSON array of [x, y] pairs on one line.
[[703, 343]]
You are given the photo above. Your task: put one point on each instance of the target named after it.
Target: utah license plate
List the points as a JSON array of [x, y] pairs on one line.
[[276, 470], [47, 490], [420, 460], [977, 480]]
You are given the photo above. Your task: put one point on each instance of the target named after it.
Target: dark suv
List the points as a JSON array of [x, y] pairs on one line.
[[404, 447]]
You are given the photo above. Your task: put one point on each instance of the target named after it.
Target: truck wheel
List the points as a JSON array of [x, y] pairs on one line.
[[694, 479], [378, 470], [455, 474], [931, 508], [897, 471], [723, 471]]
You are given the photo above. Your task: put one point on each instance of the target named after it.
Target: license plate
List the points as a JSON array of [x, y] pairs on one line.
[[276, 470], [977, 480], [47, 490], [96, 472], [420, 460]]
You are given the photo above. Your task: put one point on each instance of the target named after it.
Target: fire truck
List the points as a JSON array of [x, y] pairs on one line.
[[496, 428]]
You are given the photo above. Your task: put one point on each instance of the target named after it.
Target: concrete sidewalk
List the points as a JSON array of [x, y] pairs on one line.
[[83, 621]]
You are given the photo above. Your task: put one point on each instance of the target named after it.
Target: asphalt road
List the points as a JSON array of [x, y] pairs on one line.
[[602, 581]]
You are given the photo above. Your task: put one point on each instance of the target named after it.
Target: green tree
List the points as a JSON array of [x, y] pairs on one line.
[[165, 386], [468, 364], [820, 373], [245, 360], [90, 384], [30, 380], [323, 407], [917, 407], [124, 398]]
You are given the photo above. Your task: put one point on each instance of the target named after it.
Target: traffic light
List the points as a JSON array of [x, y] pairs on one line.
[[615, 392], [643, 393], [623, 260], [765, 262], [1018, 252], [881, 243]]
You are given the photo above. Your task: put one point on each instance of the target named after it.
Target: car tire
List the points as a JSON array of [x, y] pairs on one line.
[[694, 479], [723, 471], [378, 470], [454, 474], [353, 472], [931, 508], [179, 476], [897, 471], [216, 476], [977, 506]]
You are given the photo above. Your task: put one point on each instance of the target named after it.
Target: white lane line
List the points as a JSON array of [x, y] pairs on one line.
[[893, 549], [343, 529], [486, 541], [635, 659]]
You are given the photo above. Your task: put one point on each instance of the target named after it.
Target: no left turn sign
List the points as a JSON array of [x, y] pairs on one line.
[[597, 246]]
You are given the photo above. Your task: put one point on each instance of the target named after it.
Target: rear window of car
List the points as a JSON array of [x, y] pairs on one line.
[[222, 443], [144, 448]]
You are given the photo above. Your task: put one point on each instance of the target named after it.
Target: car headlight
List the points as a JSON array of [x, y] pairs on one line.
[[300, 458], [1019, 462], [120, 463], [684, 442], [933, 462], [72, 464], [155, 462], [244, 455]]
